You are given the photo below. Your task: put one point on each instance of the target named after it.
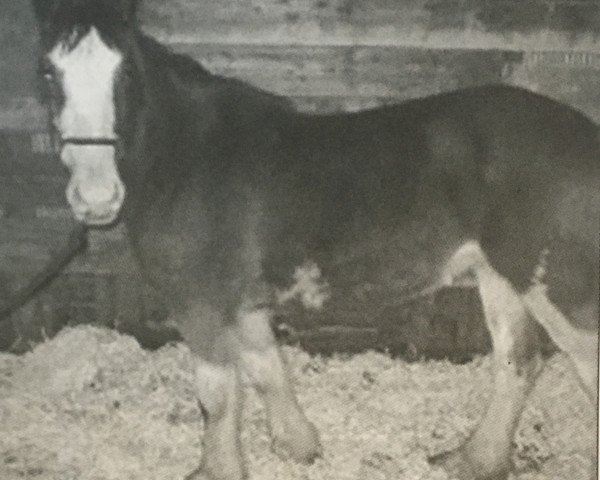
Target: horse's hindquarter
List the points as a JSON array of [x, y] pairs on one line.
[[542, 182]]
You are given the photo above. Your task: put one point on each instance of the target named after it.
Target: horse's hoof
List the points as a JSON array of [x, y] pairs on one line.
[[201, 474], [297, 440], [221, 472], [197, 474], [459, 465]]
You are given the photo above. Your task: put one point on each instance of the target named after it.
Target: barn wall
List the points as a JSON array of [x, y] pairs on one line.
[[328, 55]]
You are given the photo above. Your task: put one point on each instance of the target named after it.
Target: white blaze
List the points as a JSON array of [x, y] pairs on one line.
[[87, 74]]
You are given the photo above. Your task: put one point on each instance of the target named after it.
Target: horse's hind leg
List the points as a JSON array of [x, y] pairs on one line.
[[486, 454], [293, 436]]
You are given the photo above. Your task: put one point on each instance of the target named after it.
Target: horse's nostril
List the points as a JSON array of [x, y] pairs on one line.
[[76, 196], [117, 195]]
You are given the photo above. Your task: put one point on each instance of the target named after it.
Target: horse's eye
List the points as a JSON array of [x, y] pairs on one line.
[[47, 71]]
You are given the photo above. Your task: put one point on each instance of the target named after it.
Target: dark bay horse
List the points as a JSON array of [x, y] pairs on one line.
[[235, 203]]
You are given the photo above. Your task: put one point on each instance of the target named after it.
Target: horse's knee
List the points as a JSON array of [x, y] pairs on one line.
[[213, 386], [254, 329], [259, 357]]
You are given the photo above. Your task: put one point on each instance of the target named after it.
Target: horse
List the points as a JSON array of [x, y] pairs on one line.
[[236, 204]]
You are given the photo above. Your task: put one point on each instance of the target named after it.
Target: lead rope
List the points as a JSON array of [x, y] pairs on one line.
[[78, 237], [76, 242]]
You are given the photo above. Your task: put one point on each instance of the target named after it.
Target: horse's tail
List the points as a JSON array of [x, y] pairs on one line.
[[580, 345]]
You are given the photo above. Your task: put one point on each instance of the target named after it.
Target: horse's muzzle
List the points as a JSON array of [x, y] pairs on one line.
[[96, 207]]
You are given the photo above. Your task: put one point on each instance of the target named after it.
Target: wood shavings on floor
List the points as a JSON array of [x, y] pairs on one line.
[[90, 404]]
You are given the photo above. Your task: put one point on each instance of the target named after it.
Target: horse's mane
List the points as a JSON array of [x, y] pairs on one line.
[[183, 65], [192, 74]]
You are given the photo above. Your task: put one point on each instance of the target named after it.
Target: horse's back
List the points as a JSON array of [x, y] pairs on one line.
[[514, 170]]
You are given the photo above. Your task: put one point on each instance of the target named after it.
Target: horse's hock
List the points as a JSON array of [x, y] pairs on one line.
[[338, 56]]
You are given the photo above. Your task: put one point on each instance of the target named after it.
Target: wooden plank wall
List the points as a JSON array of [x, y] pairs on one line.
[[328, 55]]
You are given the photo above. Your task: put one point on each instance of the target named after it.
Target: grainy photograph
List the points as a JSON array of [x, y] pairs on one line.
[[299, 239]]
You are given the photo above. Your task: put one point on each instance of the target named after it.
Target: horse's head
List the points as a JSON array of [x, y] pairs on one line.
[[85, 46]]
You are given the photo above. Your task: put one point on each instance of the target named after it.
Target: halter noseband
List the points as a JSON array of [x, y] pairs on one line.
[[115, 142], [86, 141]]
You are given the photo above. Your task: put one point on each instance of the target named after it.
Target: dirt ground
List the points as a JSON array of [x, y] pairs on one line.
[[90, 404]]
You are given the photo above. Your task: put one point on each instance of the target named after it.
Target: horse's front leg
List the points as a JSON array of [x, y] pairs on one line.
[[214, 347], [293, 436]]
